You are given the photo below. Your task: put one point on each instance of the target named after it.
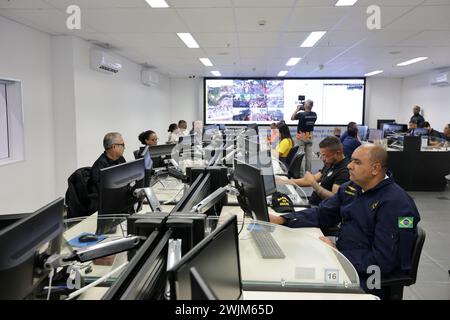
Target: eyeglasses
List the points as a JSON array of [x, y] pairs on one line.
[[120, 144]]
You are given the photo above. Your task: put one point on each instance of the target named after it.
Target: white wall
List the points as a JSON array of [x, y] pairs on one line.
[[119, 102], [25, 55], [63, 110], [383, 96], [186, 100], [434, 101]]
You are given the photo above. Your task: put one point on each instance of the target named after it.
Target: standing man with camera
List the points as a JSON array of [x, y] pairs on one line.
[[305, 127]]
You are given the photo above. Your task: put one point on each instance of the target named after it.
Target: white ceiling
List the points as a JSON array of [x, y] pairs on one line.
[[229, 34]]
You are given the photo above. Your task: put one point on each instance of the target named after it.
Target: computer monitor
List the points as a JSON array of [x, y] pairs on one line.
[[116, 187], [419, 132], [264, 162], [216, 259], [392, 129], [148, 266], [363, 133], [375, 134], [380, 123], [200, 289], [252, 195], [161, 150], [252, 129], [198, 191], [21, 243], [148, 163]]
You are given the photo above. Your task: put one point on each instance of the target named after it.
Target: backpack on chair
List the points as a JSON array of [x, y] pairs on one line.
[[77, 197]]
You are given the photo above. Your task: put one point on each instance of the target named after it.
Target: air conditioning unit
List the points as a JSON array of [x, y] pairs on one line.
[[149, 77], [440, 79], [103, 61]]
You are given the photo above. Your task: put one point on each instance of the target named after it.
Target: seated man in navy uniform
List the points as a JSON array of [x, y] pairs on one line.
[[378, 218]]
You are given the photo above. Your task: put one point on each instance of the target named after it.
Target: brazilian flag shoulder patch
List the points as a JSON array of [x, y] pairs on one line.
[[405, 222]]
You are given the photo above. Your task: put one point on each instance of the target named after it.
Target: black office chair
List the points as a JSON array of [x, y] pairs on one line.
[[393, 286], [295, 166], [291, 155], [136, 154]]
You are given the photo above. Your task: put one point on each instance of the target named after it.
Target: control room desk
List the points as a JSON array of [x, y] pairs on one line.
[[420, 170]]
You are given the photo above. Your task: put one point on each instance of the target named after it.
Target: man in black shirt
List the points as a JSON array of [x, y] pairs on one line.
[[114, 148], [305, 127], [417, 117], [334, 173]]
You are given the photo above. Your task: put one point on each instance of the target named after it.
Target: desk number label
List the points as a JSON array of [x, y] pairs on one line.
[[332, 275]]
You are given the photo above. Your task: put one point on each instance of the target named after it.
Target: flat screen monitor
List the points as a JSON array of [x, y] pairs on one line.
[[21, 242], [239, 101], [161, 150], [252, 195], [216, 259], [363, 133], [252, 129], [198, 191], [419, 132], [375, 134], [392, 129], [148, 163], [380, 123], [116, 187], [264, 162], [147, 266]]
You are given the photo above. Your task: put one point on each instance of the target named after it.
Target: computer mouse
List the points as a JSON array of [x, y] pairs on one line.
[[89, 237]]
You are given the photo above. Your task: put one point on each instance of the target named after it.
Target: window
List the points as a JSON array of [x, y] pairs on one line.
[[11, 122], [4, 142]]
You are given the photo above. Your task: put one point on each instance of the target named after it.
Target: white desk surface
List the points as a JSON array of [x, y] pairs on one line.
[[276, 295]]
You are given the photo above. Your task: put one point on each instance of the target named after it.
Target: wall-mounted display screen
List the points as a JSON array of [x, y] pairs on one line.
[[240, 101]]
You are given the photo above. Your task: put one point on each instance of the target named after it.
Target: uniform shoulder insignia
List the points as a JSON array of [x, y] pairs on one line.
[[350, 190], [375, 205]]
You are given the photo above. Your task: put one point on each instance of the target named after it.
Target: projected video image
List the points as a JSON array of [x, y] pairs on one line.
[[239, 101], [245, 100]]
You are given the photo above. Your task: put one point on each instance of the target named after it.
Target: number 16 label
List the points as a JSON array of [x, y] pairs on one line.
[[332, 275]]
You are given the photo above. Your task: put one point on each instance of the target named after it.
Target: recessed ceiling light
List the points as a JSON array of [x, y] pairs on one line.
[[216, 73], [282, 73], [206, 62], [157, 3], [188, 40], [394, 52], [373, 73], [342, 3], [312, 39], [293, 61], [405, 63]]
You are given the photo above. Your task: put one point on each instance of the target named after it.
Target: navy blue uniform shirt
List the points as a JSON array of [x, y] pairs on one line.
[[378, 227]]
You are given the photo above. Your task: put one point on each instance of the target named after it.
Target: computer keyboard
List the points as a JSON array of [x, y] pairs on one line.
[[267, 245]]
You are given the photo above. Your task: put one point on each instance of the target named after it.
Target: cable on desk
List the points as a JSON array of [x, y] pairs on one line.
[[93, 284], [172, 199], [50, 279], [243, 222]]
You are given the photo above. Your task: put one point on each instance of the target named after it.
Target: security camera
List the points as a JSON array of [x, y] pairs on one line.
[[192, 77]]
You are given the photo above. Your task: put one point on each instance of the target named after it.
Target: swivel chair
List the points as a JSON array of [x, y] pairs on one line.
[[393, 285], [295, 166]]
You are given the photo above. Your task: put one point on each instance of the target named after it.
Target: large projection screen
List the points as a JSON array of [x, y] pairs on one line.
[[237, 101]]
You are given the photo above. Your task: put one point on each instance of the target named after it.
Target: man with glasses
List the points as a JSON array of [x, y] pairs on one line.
[[327, 181], [113, 155], [378, 218]]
